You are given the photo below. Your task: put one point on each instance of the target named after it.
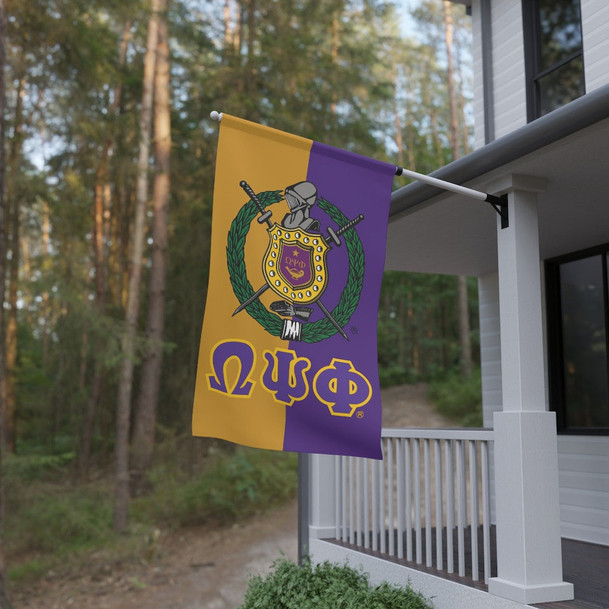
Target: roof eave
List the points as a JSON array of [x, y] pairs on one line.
[[578, 114]]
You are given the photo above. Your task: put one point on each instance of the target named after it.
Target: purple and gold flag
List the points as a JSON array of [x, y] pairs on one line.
[[288, 356]]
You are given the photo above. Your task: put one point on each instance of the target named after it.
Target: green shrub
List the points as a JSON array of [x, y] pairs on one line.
[[35, 467], [325, 586], [231, 487], [57, 519], [50, 521], [459, 398], [396, 375]]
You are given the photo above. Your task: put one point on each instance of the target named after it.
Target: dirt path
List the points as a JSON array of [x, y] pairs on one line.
[[199, 569]]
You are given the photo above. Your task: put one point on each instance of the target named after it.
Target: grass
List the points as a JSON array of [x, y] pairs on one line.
[[231, 488], [325, 586], [51, 522], [458, 398]]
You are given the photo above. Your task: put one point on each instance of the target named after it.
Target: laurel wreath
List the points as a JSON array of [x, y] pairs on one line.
[[271, 322]]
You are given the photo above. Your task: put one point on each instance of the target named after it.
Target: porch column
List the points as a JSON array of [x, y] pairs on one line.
[[322, 523], [526, 458]]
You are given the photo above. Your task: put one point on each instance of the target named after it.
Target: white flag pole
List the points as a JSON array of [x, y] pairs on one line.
[[498, 203]]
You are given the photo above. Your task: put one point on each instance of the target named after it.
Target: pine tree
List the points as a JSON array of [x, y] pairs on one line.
[[125, 387], [147, 401]]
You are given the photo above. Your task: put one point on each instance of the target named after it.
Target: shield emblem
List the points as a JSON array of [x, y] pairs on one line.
[[294, 265]]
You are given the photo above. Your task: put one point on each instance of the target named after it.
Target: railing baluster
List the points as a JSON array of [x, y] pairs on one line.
[[486, 510], [449, 485], [344, 506], [337, 497], [450, 506], [461, 505], [417, 501], [473, 500], [366, 466], [439, 502], [400, 495], [428, 523], [408, 455], [390, 526], [351, 502], [382, 502], [376, 484], [359, 499]]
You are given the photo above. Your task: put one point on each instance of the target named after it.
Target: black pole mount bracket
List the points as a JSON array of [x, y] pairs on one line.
[[500, 204]]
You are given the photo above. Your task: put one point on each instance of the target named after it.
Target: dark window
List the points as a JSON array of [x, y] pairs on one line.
[[554, 54], [578, 335]]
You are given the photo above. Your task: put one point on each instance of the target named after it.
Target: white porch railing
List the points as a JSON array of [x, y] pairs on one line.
[[427, 502]]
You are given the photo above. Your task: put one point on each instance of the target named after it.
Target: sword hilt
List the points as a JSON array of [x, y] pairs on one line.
[[264, 215], [333, 234]]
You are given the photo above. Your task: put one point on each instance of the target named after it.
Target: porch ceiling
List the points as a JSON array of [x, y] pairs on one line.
[[451, 234]]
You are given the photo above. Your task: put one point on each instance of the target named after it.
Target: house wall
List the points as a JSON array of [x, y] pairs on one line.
[[507, 57], [490, 346], [583, 461], [490, 359], [507, 52], [478, 90]]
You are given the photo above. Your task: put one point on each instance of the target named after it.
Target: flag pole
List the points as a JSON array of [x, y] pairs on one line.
[[498, 203]]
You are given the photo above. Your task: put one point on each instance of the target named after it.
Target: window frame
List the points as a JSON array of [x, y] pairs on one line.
[[532, 58], [556, 379]]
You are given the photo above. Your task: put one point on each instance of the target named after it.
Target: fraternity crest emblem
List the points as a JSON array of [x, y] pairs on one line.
[[294, 265]]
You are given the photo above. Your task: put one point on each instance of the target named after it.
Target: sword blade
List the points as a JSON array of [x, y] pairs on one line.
[[251, 298], [332, 320]]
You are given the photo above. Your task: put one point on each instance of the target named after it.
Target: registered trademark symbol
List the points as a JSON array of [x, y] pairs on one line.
[[354, 330], [360, 414]]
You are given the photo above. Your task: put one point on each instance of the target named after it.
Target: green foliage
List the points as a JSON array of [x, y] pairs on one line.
[[338, 72], [396, 375], [459, 398], [230, 488], [53, 520], [418, 335], [32, 467], [325, 586]]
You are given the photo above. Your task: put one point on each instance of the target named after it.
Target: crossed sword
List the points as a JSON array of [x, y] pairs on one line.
[[332, 238]]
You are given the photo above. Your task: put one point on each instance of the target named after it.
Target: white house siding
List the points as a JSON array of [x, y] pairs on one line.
[[478, 81], [490, 359], [583, 461], [595, 30], [490, 346], [508, 61], [508, 66]]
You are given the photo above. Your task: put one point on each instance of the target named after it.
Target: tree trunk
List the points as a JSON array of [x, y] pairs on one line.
[[146, 406], [229, 32], [4, 602], [123, 406], [464, 328], [450, 74], [465, 346], [397, 121], [10, 339], [251, 68], [99, 257], [334, 56]]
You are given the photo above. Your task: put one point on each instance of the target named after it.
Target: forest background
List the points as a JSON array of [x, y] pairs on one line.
[[106, 182]]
